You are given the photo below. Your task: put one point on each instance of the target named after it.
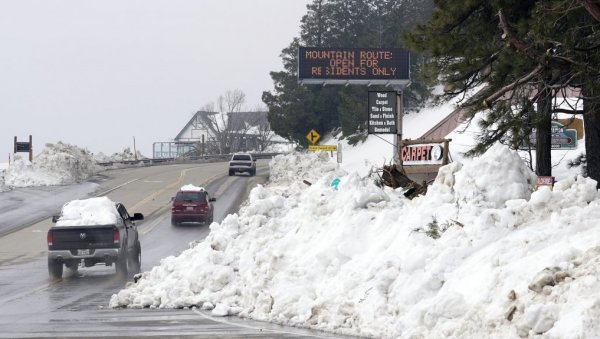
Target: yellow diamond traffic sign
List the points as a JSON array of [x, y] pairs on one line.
[[313, 136]]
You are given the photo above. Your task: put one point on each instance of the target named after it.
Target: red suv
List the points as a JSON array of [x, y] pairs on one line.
[[192, 204]]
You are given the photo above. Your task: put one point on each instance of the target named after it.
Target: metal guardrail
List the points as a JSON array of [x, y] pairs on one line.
[[199, 158]]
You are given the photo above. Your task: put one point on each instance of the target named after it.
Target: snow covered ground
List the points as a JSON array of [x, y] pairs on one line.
[[57, 164], [481, 255]]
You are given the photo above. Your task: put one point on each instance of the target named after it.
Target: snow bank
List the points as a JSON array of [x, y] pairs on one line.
[[3, 186], [479, 256], [57, 164], [92, 211], [126, 155]]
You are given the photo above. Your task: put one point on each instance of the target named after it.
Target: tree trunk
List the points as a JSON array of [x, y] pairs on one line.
[[543, 149], [591, 125]]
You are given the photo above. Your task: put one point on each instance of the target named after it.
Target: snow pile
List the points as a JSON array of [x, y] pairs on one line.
[[57, 164], [478, 256], [92, 211], [126, 155], [3, 167]]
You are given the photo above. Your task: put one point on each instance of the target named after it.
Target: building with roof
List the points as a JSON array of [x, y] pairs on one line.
[[219, 133]]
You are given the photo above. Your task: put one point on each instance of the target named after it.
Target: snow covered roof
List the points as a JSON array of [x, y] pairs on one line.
[[191, 187], [199, 118], [92, 211], [240, 121]]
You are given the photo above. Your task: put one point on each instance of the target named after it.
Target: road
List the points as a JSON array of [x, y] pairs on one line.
[[33, 305]]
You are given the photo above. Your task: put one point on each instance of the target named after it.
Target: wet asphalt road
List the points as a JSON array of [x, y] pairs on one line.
[[33, 305]]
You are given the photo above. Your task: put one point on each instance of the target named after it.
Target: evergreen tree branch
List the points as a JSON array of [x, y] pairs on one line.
[[592, 7], [519, 44], [489, 101]]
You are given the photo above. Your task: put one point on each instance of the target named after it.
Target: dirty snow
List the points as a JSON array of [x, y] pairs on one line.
[[363, 260]]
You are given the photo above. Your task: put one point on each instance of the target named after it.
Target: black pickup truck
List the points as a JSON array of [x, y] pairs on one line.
[[85, 241]]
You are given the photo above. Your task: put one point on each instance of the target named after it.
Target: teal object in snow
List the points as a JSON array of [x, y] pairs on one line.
[[334, 183]]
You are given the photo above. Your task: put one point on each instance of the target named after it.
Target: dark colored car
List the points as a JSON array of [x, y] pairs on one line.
[[89, 244], [192, 206]]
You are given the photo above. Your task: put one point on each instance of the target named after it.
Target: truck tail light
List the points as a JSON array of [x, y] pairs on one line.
[[50, 239], [116, 236]]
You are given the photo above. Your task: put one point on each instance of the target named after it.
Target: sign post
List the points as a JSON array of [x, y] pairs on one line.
[[382, 112], [24, 147], [561, 138], [313, 136], [547, 181], [362, 66], [400, 114]]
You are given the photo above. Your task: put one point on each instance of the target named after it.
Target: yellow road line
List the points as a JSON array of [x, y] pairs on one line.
[[150, 226], [155, 194], [116, 188]]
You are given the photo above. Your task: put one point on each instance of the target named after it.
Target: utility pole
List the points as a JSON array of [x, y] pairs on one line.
[[400, 112], [134, 150]]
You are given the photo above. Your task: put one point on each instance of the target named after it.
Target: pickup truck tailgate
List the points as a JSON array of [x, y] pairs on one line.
[[68, 237]]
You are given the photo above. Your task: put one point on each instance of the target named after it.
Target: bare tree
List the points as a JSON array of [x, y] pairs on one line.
[[221, 121], [232, 101], [263, 128], [231, 128]]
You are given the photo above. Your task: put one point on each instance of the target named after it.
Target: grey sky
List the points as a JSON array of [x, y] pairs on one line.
[[96, 73]]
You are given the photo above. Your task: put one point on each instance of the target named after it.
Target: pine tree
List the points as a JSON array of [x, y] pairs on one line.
[[524, 52], [294, 109]]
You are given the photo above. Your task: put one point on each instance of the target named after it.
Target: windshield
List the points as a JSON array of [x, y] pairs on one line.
[[241, 157], [191, 196]]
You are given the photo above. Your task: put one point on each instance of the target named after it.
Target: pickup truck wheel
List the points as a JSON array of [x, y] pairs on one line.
[[253, 172], [55, 268], [231, 173], [174, 222], [121, 264], [135, 259]]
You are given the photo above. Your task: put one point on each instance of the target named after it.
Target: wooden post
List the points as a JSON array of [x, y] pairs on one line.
[[30, 148], [400, 114], [446, 151], [15, 145], [400, 145]]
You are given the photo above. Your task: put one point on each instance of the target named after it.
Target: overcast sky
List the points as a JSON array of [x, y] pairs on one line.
[[97, 73]]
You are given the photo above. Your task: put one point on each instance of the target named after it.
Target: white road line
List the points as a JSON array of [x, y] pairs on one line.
[[235, 324], [116, 188]]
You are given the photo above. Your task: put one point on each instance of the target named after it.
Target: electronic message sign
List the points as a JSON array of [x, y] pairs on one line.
[[382, 112], [367, 66]]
